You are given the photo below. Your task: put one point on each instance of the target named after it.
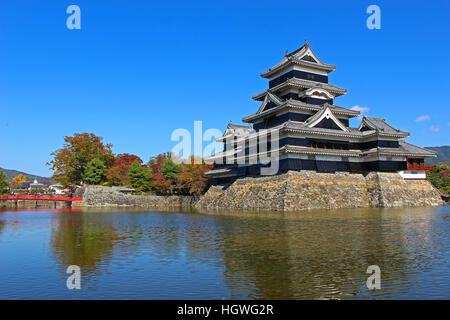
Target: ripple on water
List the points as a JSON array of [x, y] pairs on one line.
[[155, 255]]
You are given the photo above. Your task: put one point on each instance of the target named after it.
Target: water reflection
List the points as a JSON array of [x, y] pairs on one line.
[[82, 240], [317, 254], [307, 255]]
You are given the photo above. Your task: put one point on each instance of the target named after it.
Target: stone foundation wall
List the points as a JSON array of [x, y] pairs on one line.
[[110, 197], [300, 190], [292, 191], [391, 190]]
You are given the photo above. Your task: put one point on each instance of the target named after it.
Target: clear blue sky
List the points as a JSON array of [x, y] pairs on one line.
[[137, 70]]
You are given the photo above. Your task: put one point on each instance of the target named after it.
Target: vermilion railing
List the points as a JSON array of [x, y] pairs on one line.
[[28, 197], [418, 167]]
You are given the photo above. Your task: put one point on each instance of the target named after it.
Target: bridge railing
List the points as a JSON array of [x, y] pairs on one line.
[[419, 167]]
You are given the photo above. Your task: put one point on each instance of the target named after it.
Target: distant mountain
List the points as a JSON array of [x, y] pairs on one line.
[[12, 173], [443, 155]]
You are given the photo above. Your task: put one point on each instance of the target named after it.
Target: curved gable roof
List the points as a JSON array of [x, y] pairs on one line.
[[302, 56], [324, 113], [379, 125], [270, 97]]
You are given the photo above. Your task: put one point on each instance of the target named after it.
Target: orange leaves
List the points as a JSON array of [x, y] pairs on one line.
[[16, 182], [69, 162]]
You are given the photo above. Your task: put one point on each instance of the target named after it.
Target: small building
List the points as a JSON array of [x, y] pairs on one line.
[[298, 127], [124, 190], [25, 185], [58, 189], [37, 186]]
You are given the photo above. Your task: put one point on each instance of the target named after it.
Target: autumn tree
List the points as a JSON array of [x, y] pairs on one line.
[[117, 175], [140, 177], [160, 184], [192, 178], [188, 177], [4, 188], [157, 162], [95, 172], [17, 181], [69, 163]]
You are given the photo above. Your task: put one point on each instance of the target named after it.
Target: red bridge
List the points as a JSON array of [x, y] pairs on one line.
[[47, 198]]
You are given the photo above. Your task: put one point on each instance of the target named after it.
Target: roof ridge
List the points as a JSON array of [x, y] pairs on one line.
[[319, 114], [384, 120], [297, 104], [273, 96], [298, 50], [413, 145], [403, 141], [240, 125]]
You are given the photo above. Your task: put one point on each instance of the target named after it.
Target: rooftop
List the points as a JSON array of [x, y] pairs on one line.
[[302, 84], [303, 56], [379, 125]]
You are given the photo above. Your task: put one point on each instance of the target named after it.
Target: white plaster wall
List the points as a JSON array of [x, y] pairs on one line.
[[413, 174]]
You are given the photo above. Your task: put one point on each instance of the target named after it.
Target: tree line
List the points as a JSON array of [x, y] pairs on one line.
[[440, 177], [84, 158]]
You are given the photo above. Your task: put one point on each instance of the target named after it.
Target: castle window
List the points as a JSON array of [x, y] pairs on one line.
[[328, 145]]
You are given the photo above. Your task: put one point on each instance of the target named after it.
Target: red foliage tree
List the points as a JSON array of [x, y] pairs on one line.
[[159, 183], [192, 179], [117, 175]]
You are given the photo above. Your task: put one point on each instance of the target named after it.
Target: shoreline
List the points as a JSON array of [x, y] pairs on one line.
[[291, 191]]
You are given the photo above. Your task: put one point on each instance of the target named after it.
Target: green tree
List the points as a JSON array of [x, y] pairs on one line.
[[95, 172], [140, 177], [170, 171], [4, 188], [440, 177]]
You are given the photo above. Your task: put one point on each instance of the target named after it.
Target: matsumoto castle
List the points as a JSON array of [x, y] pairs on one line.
[[311, 132]]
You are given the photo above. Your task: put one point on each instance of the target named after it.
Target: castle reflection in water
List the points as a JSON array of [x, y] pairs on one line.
[[189, 255]]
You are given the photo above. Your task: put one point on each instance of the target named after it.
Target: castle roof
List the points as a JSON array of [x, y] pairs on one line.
[[304, 128], [301, 127], [236, 130], [324, 112], [379, 125], [413, 149], [405, 149], [302, 84], [303, 56], [297, 105]]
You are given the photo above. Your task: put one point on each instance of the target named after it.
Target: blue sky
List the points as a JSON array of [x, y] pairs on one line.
[[137, 70]]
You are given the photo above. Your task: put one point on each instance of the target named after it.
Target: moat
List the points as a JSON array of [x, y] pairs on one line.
[[190, 255]]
